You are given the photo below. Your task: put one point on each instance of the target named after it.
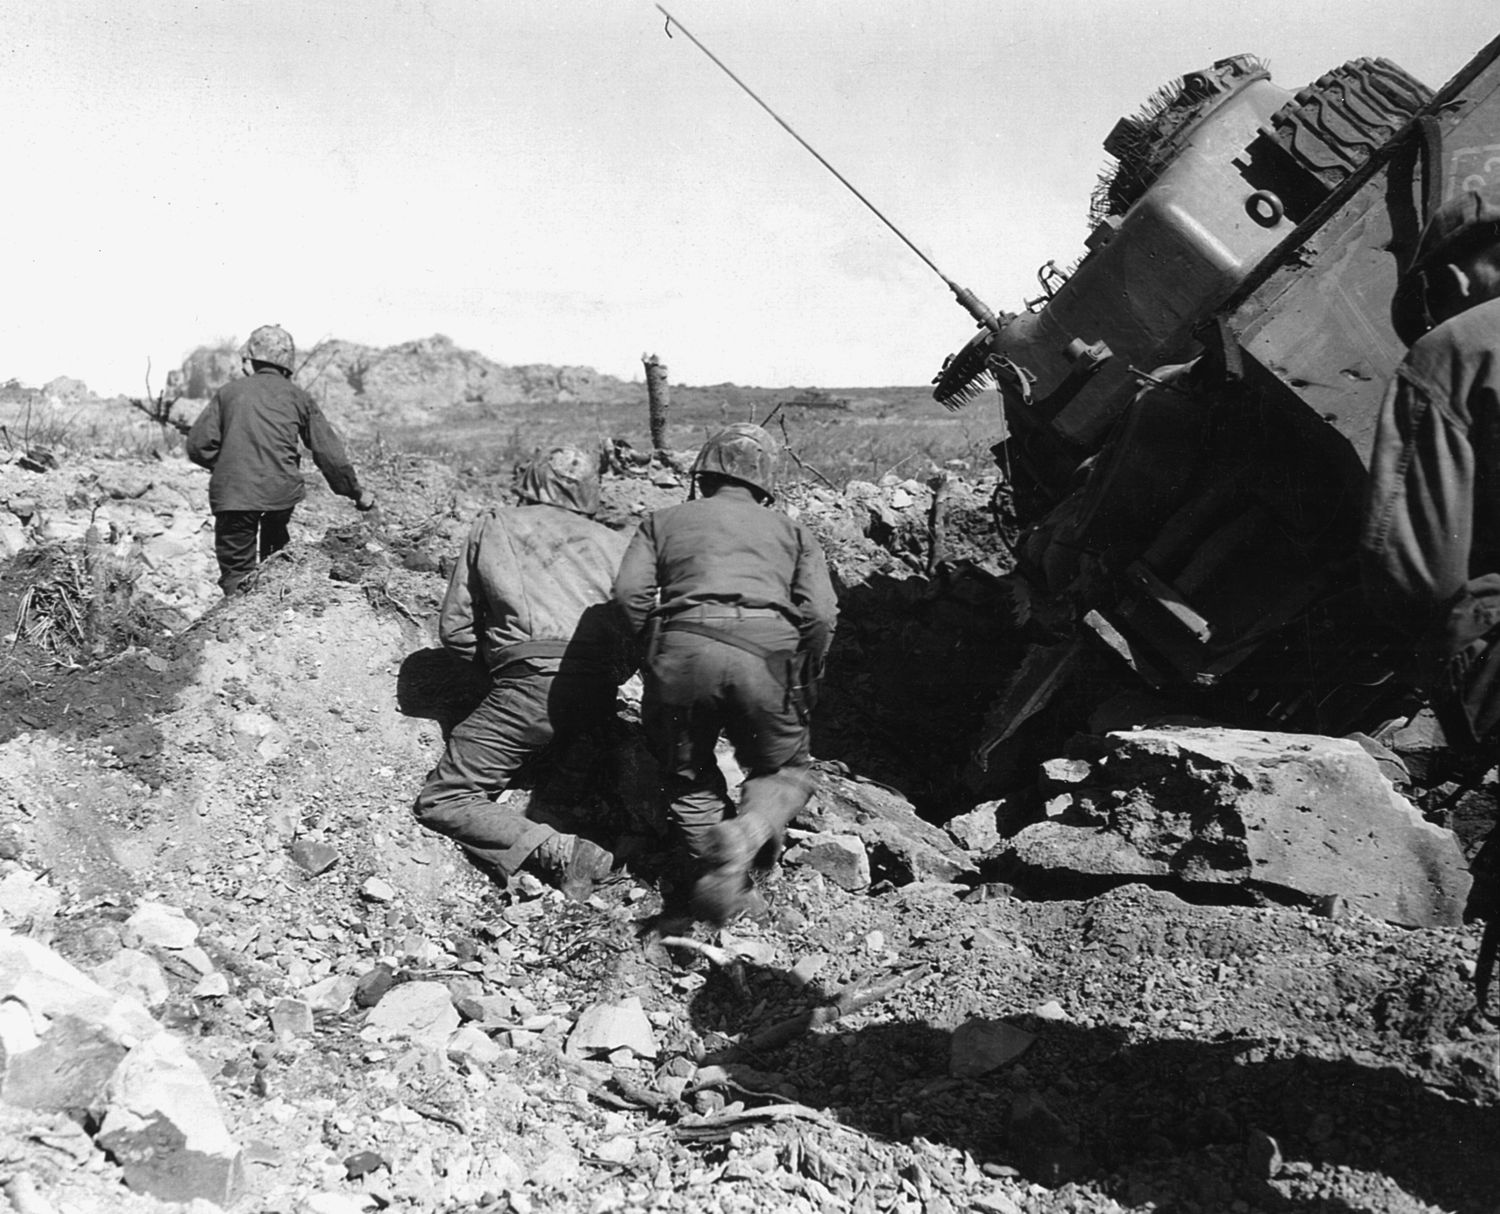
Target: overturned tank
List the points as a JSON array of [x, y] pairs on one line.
[[1188, 411]]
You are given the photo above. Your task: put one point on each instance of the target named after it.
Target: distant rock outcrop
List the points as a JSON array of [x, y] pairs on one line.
[[412, 383]]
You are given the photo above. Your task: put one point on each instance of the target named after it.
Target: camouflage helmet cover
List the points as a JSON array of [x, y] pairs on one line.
[[563, 476], [742, 452], [1465, 219], [271, 344]]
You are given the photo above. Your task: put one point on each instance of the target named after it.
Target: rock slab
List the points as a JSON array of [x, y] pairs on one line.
[[840, 858], [1298, 812], [980, 1045], [165, 1128], [902, 846], [605, 1027]]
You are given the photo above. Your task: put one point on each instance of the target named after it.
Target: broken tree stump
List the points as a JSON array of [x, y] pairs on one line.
[[96, 572], [937, 520], [659, 398]]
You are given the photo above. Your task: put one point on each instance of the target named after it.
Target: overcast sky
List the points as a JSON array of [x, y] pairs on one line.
[[559, 181]]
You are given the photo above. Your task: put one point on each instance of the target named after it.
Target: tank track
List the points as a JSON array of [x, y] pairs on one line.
[[1144, 143], [1334, 125]]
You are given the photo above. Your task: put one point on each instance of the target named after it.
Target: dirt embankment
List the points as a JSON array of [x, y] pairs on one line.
[[1129, 1051]]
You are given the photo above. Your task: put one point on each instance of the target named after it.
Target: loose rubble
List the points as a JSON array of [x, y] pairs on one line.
[[206, 849]]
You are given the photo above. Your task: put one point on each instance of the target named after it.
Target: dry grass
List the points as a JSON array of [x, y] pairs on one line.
[[110, 428], [898, 430], [54, 609]]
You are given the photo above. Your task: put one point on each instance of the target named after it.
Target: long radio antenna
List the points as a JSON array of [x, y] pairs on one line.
[[970, 302]]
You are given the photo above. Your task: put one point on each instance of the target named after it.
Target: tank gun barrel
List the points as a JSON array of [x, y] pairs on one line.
[[970, 302]]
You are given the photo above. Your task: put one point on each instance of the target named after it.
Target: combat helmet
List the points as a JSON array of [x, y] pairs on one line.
[[563, 476], [1462, 222], [744, 453], [271, 344], [1462, 225]]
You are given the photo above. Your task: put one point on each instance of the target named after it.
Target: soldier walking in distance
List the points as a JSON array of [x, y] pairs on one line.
[[248, 437], [735, 606], [530, 598], [1431, 541]]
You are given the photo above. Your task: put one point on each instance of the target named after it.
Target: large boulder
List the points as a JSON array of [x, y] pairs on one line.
[[902, 847], [1294, 813]]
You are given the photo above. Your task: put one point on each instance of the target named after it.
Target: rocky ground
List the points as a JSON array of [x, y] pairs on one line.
[[204, 808]]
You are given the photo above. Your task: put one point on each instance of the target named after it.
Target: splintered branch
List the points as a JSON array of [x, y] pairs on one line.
[[157, 407], [786, 439], [720, 1125], [732, 966], [851, 998]]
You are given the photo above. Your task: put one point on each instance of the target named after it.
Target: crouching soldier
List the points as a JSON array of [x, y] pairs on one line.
[[736, 611], [1431, 541], [530, 597], [248, 437]]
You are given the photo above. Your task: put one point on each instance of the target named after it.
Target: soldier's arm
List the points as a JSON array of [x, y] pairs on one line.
[[459, 625], [813, 595], [1419, 516], [328, 453], [204, 439], [635, 583]]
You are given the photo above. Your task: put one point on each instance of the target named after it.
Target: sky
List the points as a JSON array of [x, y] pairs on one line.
[[559, 181]]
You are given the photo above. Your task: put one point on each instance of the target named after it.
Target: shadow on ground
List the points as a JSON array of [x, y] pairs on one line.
[[915, 663], [1182, 1124], [438, 685]]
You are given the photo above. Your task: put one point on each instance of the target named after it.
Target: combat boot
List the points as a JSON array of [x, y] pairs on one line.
[[572, 864], [724, 889]]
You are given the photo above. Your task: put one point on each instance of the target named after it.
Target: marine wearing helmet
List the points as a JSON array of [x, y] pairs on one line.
[[565, 477], [273, 346], [743, 453], [742, 608]]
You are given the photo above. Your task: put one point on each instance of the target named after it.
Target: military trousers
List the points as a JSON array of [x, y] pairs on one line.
[[696, 690], [243, 538], [524, 712]]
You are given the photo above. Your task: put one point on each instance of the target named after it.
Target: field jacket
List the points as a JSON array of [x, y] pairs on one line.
[[533, 586], [1430, 549], [729, 550], [249, 435]]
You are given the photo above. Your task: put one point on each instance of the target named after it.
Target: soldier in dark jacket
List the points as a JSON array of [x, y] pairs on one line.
[[248, 437], [530, 598], [741, 611], [1431, 542]]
